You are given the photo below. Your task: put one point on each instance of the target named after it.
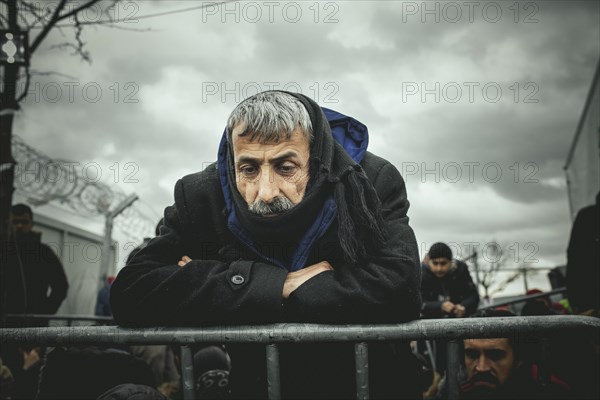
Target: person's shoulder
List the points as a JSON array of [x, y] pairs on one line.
[[201, 183], [374, 165], [46, 249], [205, 178], [588, 213], [459, 268]]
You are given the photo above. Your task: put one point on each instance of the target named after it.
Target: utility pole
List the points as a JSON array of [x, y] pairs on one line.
[[105, 261], [8, 107], [525, 283]]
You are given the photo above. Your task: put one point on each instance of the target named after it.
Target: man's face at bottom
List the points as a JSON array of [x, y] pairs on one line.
[[271, 177], [489, 363]]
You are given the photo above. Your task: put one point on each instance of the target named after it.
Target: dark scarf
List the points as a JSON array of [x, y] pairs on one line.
[[333, 174]]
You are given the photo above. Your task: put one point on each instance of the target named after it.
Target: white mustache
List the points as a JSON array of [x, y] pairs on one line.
[[278, 205]]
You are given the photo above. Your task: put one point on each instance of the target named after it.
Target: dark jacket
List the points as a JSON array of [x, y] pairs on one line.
[[229, 283], [33, 270], [86, 373], [103, 302], [456, 286], [583, 260]]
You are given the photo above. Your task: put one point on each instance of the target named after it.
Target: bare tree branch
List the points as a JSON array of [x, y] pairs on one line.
[[110, 24], [26, 88], [80, 43], [506, 282], [51, 73], [75, 11], [33, 10], [3, 16], [48, 27]]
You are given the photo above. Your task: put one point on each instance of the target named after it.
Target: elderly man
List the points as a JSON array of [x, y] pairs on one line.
[[295, 222]]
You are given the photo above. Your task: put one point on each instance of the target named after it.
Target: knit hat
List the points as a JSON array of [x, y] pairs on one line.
[[440, 250]]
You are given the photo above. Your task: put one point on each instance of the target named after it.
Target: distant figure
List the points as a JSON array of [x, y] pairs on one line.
[[583, 260], [446, 286], [447, 291], [35, 280], [542, 305], [103, 301]]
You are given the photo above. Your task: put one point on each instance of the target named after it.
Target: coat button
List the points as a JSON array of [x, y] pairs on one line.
[[237, 279]]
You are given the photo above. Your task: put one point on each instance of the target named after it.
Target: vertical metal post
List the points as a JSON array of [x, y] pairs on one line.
[[525, 283], [476, 265], [452, 367], [273, 378], [361, 361], [431, 355], [543, 367], [107, 260], [187, 373]]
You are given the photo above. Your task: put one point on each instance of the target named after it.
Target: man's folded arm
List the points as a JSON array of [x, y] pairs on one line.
[[153, 290], [385, 289]]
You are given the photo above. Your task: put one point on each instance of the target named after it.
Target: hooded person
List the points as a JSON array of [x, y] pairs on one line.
[[295, 222]]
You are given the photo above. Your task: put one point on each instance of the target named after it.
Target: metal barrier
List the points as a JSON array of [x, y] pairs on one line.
[[270, 335], [100, 320], [522, 299]]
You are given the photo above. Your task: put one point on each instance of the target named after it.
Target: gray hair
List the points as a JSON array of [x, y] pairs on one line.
[[269, 117]]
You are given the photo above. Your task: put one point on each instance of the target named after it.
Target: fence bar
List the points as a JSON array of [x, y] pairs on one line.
[[431, 355], [187, 373], [361, 361], [60, 317], [431, 329], [521, 299], [544, 364], [452, 367], [273, 378]]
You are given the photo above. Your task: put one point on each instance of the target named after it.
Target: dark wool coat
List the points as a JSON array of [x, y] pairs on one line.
[[229, 284], [35, 279], [456, 286], [583, 260]]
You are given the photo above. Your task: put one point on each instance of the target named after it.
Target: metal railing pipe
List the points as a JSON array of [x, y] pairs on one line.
[[281, 333], [522, 299]]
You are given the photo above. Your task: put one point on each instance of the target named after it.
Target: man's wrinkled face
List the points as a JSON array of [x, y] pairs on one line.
[[439, 266], [22, 222], [489, 362], [272, 177]]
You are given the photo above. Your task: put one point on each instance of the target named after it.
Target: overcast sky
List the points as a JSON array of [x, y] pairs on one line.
[[476, 103]]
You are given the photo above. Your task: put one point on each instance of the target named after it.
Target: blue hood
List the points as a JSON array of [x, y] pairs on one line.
[[354, 138]]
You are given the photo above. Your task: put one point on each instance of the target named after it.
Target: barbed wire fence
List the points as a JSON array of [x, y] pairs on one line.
[[42, 180]]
